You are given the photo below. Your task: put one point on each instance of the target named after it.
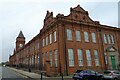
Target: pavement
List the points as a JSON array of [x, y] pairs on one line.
[[27, 74], [33, 75]]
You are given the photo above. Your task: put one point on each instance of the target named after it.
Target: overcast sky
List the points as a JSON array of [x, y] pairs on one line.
[[28, 16]]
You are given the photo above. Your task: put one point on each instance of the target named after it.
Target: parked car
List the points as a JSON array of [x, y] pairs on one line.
[[87, 75], [111, 75]]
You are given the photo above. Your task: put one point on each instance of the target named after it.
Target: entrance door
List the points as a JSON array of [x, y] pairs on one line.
[[113, 62]]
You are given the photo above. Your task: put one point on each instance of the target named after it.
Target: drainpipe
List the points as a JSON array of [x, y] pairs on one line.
[[102, 42], [66, 67]]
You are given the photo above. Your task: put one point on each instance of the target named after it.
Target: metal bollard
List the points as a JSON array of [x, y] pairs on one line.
[[41, 76]]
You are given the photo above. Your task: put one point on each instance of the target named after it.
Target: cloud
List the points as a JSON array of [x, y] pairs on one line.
[[28, 17]]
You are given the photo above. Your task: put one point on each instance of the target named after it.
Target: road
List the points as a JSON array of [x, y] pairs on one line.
[[8, 74]]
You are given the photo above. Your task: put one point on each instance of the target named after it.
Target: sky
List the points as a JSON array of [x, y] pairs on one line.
[[28, 16]]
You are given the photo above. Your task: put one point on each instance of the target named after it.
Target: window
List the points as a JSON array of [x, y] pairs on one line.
[[50, 58], [50, 38], [96, 58], [46, 40], [71, 57], [109, 41], [86, 37], [55, 36], [112, 38], [89, 62], [56, 58], [77, 35], [105, 38], [80, 57], [94, 37], [69, 34], [43, 42]]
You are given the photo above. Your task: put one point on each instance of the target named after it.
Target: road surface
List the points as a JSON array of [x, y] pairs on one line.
[[8, 74]]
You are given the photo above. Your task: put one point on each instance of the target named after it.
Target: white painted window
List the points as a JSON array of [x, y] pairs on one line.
[[69, 34], [109, 41], [78, 37], [70, 57], [50, 38], [55, 39], [56, 58], [86, 37], [80, 57], [105, 38], [50, 58], [88, 56], [46, 41], [43, 42], [93, 37], [112, 38], [96, 58]]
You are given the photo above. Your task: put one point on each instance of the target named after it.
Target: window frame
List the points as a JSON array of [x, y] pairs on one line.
[[71, 57], [86, 36], [69, 34]]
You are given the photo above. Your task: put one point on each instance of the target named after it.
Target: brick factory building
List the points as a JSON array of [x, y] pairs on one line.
[[68, 43]]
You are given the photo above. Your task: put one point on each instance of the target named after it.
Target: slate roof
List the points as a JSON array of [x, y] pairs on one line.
[[21, 35]]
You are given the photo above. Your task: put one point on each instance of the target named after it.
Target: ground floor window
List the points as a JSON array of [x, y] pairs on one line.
[[56, 58], [70, 57], [96, 58], [88, 56], [80, 57]]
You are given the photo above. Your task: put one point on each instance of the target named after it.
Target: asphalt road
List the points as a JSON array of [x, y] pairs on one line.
[[8, 74]]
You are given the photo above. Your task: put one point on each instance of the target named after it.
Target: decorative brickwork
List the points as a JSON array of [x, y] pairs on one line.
[[68, 43]]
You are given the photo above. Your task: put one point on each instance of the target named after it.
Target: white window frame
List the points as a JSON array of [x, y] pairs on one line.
[[69, 34], [112, 38], [78, 36], [80, 57], [50, 38], [86, 36], [71, 57], [46, 40], [55, 38], [96, 58], [88, 56], [109, 41], [105, 38], [56, 58], [93, 37]]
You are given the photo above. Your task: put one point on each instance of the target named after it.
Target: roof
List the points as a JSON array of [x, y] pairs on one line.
[[111, 48], [20, 35]]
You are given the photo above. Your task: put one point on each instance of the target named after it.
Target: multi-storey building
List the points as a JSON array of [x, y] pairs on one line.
[[68, 43]]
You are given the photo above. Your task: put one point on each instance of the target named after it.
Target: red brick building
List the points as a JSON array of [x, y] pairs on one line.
[[68, 43]]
